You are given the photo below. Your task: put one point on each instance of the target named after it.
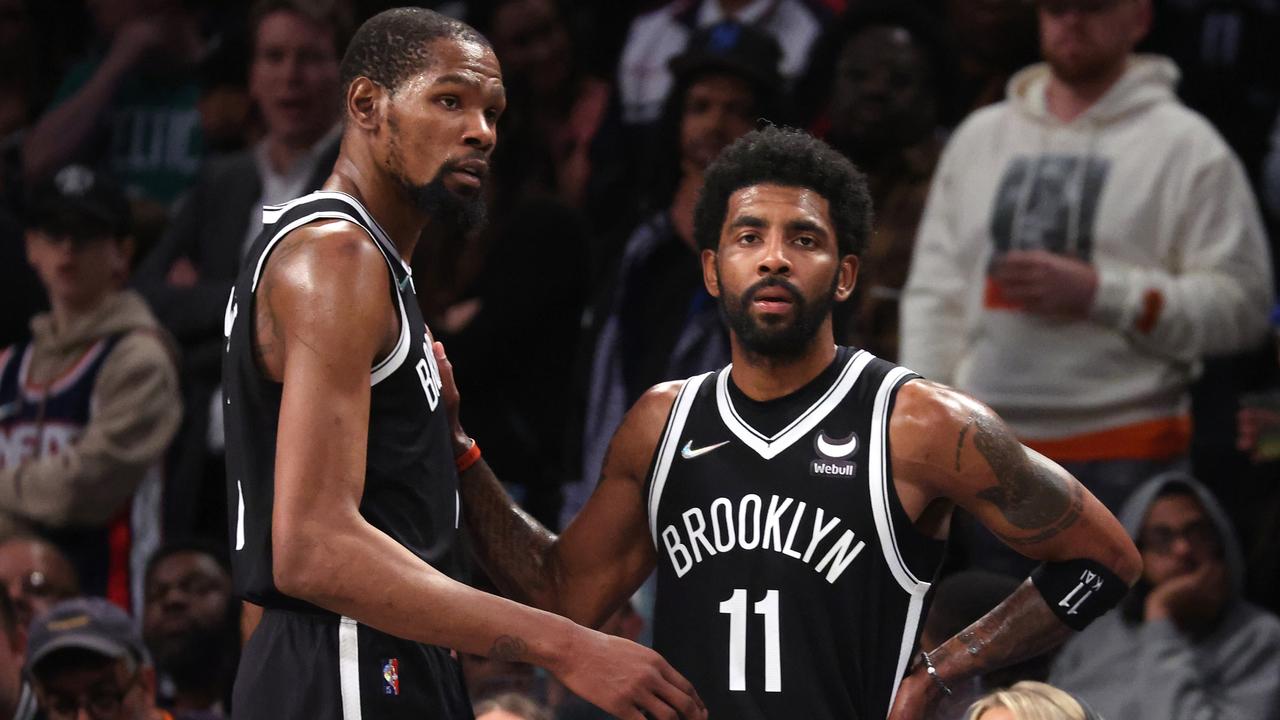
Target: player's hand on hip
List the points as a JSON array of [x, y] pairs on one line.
[[451, 399], [627, 680], [916, 695]]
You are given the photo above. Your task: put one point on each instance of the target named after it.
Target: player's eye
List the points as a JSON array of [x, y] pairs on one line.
[[491, 115], [747, 238], [450, 102], [806, 241]]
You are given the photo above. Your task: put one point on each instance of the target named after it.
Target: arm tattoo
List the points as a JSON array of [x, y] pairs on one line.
[[973, 644], [1029, 496], [1021, 627], [508, 649], [511, 545]]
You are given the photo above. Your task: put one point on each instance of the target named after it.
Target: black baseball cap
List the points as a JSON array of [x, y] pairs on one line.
[[92, 624], [735, 48], [80, 202]]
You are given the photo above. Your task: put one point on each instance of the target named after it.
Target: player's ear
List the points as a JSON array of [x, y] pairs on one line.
[[848, 277], [709, 277], [366, 103]]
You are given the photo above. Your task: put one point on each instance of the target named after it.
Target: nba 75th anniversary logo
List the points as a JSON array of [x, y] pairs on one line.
[[833, 456]]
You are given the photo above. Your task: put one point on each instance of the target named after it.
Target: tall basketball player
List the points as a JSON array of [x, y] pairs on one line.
[[794, 503], [341, 478]]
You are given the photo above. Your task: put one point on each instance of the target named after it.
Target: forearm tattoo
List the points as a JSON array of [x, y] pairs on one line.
[[511, 545], [1030, 496], [509, 649], [1021, 627]]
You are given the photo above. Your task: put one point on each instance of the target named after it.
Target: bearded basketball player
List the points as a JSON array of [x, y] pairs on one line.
[[795, 502], [341, 481]]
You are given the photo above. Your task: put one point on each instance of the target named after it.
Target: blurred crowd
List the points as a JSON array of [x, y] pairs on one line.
[[1087, 253]]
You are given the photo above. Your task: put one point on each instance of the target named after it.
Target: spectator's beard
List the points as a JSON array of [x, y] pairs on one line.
[[202, 657], [783, 340]]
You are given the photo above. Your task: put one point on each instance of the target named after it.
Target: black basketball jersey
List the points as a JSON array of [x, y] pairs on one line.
[[791, 583], [410, 486]]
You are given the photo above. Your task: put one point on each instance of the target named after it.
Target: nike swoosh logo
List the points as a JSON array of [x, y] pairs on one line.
[[404, 282], [688, 453]]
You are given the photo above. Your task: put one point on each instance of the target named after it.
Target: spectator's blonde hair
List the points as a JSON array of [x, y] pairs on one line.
[[1029, 700], [519, 705]]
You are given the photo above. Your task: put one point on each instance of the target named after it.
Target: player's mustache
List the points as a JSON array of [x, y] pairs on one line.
[[773, 281], [458, 163]]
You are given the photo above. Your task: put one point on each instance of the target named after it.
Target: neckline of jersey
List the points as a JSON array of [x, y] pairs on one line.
[[847, 370]]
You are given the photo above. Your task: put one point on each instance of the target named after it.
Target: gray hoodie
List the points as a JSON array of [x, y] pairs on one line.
[[1131, 670]]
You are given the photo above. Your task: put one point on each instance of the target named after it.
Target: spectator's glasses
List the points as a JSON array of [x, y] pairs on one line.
[[1058, 8], [100, 703], [1200, 535]]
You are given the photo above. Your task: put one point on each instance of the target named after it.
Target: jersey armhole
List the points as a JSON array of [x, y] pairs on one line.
[[913, 557], [395, 357], [660, 466]]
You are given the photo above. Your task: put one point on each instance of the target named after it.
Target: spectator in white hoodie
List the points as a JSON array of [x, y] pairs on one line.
[[1085, 243]]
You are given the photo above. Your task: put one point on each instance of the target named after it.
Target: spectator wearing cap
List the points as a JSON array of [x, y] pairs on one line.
[[88, 406], [645, 78], [659, 323], [86, 656], [187, 276]]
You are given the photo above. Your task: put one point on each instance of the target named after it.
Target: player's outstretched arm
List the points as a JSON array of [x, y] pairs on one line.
[[589, 570], [323, 300], [947, 447]]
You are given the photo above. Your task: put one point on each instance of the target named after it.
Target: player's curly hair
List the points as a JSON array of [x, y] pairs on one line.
[[792, 158], [394, 45]]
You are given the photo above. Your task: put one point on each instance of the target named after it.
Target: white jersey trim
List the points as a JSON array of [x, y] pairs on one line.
[[272, 213], [878, 472], [770, 447], [388, 365], [395, 358], [915, 608], [667, 447], [312, 217], [349, 668]]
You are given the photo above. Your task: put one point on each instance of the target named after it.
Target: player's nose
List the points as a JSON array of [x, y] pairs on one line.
[[773, 259], [481, 133]]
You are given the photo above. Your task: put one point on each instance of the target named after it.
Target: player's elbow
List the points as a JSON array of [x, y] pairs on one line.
[[298, 566]]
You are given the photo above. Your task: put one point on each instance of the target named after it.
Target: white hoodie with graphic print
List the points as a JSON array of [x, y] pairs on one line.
[[1139, 186]]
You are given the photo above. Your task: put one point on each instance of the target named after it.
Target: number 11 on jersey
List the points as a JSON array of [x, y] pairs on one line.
[[736, 608]]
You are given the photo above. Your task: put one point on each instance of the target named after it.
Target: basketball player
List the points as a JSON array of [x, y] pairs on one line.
[[341, 479], [795, 502]]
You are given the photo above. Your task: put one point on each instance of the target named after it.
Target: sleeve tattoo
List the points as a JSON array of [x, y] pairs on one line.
[[1029, 496]]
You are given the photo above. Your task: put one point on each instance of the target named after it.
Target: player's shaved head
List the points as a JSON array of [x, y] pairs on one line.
[[395, 45]]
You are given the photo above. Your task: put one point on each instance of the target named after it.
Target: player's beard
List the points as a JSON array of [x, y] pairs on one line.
[[782, 340], [461, 213]]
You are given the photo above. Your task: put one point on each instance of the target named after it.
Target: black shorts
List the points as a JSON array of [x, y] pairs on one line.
[[299, 666]]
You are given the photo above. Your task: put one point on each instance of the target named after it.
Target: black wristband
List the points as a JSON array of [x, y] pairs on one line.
[[1078, 591]]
